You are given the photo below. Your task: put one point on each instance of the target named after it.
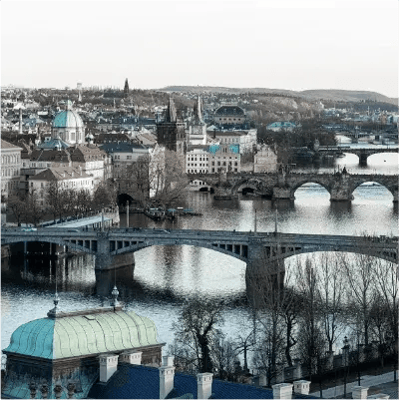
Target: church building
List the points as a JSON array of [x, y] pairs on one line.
[[171, 132], [68, 126]]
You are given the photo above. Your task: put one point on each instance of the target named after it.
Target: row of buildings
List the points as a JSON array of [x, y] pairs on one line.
[[74, 157]]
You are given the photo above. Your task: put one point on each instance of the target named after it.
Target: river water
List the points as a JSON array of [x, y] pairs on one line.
[[164, 276]]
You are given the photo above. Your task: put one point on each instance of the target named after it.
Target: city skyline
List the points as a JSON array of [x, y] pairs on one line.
[[290, 45]]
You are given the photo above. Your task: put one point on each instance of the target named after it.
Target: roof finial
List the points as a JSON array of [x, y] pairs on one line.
[[114, 293], [56, 310]]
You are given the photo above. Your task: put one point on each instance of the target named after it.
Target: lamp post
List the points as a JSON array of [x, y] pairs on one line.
[[346, 353]]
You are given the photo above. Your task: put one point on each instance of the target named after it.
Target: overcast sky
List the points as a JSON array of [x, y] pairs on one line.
[[281, 44]]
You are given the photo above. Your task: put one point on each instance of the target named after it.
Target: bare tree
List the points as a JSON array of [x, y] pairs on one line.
[[359, 271], [330, 286], [54, 199], [310, 337], [16, 202], [386, 277], [196, 332], [34, 209]]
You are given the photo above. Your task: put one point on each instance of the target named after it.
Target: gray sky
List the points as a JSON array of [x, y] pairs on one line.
[[283, 44]]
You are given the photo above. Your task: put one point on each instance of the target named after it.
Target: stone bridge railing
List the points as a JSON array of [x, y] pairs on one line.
[[116, 246]]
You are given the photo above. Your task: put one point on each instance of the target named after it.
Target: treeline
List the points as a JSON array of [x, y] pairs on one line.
[[306, 317], [305, 136], [59, 203]]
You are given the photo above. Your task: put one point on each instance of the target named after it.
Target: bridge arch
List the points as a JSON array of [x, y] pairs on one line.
[[387, 255], [256, 184], [394, 190], [308, 180], [74, 246], [239, 251], [122, 198]]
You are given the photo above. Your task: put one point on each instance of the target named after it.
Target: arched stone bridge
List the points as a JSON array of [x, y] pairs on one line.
[[112, 246], [362, 152], [283, 185]]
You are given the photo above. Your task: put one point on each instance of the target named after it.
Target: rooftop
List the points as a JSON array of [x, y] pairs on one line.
[[87, 332]]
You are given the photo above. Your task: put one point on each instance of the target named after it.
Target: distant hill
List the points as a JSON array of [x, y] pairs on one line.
[[312, 95]]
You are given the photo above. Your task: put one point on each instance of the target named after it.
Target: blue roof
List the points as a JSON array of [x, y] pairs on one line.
[[140, 382], [81, 333], [68, 119], [35, 338]]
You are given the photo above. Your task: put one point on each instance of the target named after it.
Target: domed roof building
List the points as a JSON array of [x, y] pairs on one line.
[[77, 348], [68, 125]]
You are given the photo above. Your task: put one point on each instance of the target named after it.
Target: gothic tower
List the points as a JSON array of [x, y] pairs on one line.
[[126, 88], [171, 132], [197, 128]]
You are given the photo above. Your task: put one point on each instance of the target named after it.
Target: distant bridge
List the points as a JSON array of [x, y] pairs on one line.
[[283, 185], [112, 247], [362, 152]]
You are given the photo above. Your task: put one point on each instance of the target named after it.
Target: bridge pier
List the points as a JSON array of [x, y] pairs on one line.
[[105, 260], [362, 159], [396, 196], [223, 192], [341, 194], [263, 275], [341, 188], [282, 193]]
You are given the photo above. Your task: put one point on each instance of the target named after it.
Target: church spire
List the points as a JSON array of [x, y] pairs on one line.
[[126, 87], [198, 112], [171, 111]]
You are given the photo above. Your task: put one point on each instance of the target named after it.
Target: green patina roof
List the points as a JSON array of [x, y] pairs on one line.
[[83, 334], [68, 119]]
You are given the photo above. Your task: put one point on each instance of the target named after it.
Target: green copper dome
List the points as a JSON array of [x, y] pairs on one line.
[[79, 333], [68, 119]]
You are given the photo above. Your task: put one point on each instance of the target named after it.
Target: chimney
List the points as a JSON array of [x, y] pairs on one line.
[[108, 365], [282, 391], [167, 374], [204, 385], [359, 392], [20, 121], [302, 387], [134, 358]]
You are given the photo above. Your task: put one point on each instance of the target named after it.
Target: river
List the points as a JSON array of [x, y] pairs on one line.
[[164, 277]]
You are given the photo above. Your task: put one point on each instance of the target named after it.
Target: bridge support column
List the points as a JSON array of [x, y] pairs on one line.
[[282, 193], [341, 190], [362, 159], [263, 275], [223, 192], [341, 194], [105, 260], [396, 196]]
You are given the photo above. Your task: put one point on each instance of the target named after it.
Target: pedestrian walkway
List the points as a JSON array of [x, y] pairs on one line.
[[366, 381]]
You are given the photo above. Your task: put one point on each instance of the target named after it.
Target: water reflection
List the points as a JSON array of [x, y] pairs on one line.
[[163, 276]]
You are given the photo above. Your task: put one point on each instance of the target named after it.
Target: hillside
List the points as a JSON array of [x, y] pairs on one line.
[[311, 95]]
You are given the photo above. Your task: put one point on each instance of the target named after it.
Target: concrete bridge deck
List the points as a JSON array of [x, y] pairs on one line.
[[250, 247]]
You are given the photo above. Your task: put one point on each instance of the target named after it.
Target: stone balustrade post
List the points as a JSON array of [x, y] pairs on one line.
[[297, 373], [345, 355], [58, 391], [33, 389], [359, 392], [44, 389], [71, 390]]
